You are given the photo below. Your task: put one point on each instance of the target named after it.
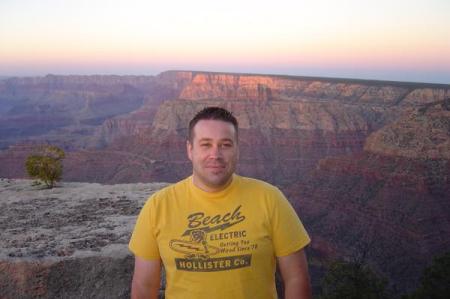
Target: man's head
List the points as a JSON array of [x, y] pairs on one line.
[[212, 147], [212, 113]]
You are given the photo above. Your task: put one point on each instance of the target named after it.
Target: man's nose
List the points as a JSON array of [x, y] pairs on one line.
[[215, 152]]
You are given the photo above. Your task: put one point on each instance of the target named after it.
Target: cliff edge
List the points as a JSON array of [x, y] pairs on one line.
[[68, 242]]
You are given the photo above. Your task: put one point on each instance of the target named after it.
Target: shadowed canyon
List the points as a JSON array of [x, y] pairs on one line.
[[364, 163]]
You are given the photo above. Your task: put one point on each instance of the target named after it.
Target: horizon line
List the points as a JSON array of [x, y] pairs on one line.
[[286, 76]]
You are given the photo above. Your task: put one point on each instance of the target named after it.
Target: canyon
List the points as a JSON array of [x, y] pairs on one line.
[[364, 163]]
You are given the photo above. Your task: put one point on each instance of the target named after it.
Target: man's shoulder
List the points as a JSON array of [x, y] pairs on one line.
[[249, 182], [168, 191]]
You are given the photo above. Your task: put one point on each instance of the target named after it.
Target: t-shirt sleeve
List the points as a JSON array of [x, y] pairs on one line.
[[143, 241], [288, 233]]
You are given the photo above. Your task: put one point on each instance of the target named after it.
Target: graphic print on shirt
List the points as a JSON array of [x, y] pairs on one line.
[[202, 230]]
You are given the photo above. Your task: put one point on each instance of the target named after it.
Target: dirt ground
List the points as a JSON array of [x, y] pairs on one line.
[[69, 241]]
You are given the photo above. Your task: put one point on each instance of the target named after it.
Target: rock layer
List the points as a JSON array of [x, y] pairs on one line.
[[68, 242]]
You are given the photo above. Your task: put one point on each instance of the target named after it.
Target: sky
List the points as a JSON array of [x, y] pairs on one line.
[[385, 40]]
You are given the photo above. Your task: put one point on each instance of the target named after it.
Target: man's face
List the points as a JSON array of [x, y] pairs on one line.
[[214, 153]]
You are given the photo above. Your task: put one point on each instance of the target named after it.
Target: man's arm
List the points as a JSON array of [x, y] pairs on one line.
[[146, 279], [294, 270]]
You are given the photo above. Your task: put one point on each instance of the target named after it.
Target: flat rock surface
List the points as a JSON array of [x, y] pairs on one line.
[[71, 220]]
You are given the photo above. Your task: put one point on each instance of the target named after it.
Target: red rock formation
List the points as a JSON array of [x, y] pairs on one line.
[[288, 146], [263, 88], [390, 211], [294, 120], [365, 160], [423, 133]]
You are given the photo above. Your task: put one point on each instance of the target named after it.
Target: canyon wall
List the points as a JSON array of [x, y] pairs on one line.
[[365, 163], [80, 111]]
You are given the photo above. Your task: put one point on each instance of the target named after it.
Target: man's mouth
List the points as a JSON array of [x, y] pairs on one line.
[[215, 166]]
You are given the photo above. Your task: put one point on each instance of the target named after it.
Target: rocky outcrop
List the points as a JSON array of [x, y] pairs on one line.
[[264, 88], [426, 95], [68, 242], [291, 137], [389, 212], [423, 133]]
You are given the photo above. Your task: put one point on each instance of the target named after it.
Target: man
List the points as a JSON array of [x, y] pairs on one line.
[[218, 235]]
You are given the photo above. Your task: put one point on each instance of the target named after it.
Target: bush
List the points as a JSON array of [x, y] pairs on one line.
[[46, 165], [435, 282], [352, 280]]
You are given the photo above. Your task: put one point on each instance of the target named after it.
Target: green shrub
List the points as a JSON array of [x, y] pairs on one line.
[[46, 165], [352, 280], [435, 282]]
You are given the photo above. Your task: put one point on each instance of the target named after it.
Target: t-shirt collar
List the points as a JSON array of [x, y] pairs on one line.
[[214, 195]]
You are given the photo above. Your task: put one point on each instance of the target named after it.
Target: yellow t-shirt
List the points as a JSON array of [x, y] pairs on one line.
[[218, 245]]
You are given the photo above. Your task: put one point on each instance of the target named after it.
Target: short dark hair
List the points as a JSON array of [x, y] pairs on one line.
[[214, 113]]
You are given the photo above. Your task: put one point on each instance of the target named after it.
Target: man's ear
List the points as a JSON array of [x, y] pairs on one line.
[[189, 149]]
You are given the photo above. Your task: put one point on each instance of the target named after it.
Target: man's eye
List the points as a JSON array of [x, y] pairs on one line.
[[204, 144], [227, 145]]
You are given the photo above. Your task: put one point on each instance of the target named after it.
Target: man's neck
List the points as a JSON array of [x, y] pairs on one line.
[[211, 189]]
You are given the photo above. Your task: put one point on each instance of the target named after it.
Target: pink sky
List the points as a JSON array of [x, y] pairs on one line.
[[358, 39]]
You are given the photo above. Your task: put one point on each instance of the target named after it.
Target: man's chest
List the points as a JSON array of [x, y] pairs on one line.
[[207, 240]]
